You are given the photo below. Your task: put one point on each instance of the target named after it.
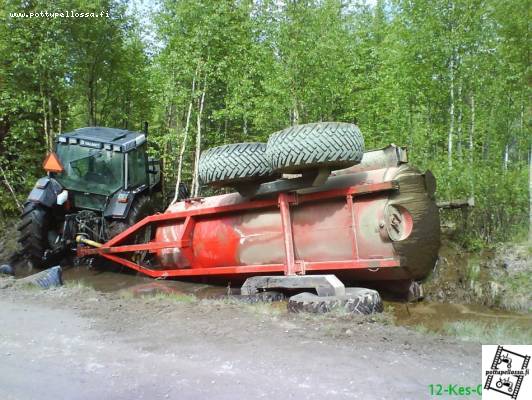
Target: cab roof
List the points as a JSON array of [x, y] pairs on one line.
[[97, 137]]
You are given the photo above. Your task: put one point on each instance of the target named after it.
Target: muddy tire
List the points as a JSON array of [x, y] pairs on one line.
[[268, 296], [356, 301], [49, 278], [330, 145], [239, 162], [34, 227]]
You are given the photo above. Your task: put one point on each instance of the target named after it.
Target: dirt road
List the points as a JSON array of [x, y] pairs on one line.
[[74, 343]]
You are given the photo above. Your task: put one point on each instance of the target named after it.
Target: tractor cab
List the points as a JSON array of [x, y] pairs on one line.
[[99, 164], [100, 181]]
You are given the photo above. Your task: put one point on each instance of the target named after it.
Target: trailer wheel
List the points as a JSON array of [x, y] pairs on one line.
[[356, 301], [225, 165], [330, 145], [268, 296]]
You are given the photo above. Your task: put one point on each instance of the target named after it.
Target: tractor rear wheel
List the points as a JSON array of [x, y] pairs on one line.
[[37, 235], [141, 208], [331, 145], [234, 163]]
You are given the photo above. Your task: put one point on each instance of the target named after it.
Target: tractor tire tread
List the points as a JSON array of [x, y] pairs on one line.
[[33, 233], [234, 163], [316, 145], [356, 301]]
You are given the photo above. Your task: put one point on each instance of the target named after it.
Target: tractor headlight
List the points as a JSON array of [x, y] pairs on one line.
[[117, 148], [62, 139], [108, 147]]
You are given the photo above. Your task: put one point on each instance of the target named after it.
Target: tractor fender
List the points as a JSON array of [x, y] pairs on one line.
[[119, 205], [45, 192]]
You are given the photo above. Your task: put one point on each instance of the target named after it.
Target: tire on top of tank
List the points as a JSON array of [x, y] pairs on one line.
[[332, 145], [234, 163]]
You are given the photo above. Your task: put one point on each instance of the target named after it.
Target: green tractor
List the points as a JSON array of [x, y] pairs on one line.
[[100, 181]]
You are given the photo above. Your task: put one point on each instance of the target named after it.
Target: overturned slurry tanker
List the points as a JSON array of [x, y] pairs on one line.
[[374, 221]]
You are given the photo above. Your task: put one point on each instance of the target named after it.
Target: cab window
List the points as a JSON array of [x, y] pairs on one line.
[[136, 163]]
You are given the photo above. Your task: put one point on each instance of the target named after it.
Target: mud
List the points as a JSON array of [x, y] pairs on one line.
[[175, 339], [499, 277], [71, 340], [430, 315], [435, 317], [139, 285], [420, 248]]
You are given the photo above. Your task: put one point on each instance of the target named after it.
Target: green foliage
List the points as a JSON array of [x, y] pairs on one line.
[[59, 74], [484, 333], [447, 79]]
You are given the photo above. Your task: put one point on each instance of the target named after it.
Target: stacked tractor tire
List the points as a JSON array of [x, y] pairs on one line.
[[296, 150]]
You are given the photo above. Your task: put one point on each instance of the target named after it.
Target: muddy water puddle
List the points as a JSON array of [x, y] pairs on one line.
[[431, 316], [436, 316], [111, 281]]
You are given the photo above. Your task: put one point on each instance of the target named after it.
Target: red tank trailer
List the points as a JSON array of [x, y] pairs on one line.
[[374, 222]]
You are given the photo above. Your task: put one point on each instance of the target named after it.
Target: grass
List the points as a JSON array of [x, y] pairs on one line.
[[500, 333], [224, 301], [518, 292], [423, 330], [173, 297], [80, 285], [339, 314], [264, 309], [260, 308]]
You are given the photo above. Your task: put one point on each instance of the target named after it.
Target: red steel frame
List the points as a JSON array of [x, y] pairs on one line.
[[291, 266]]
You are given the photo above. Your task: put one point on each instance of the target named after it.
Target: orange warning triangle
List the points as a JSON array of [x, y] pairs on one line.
[[52, 164]]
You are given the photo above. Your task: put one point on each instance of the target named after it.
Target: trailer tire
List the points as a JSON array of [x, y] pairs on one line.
[[49, 278], [331, 145], [225, 165], [268, 296], [356, 301]]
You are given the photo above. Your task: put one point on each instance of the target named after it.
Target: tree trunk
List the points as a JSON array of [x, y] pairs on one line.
[[471, 147], [195, 179], [506, 151], [185, 137], [10, 189], [51, 130], [530, 194], [45, 117], [521, 128], [60, 123], [451, 115], [295, 112], [89, 105], [410, 126], [225, 130], [459, 123]]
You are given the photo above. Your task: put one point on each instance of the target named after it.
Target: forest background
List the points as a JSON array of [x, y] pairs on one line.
[[449, 79]]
